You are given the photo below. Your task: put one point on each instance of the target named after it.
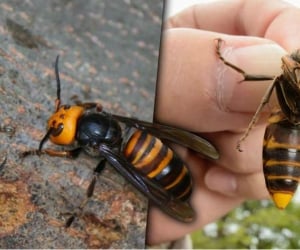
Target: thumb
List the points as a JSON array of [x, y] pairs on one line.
[[254, 58], [194, 84], [249, 186]]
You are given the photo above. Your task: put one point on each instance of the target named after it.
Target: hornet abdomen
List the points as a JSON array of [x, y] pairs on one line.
[[156, 160], [281, 159]]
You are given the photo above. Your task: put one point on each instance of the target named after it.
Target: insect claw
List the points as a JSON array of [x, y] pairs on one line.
[[3, 162], [70, 218], [69, 221], [99, 107], [24, 154], [238, 147]]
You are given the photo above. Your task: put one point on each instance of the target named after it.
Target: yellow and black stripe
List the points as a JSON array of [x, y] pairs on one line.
[[156, 160], [281, 159]]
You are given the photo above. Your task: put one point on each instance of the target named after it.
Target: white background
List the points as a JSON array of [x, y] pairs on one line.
[[174, 6]]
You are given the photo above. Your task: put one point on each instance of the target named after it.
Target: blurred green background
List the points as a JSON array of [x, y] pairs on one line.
[[254, 225]]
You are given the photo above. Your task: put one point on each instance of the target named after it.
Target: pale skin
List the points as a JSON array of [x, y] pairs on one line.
[[199, 93]]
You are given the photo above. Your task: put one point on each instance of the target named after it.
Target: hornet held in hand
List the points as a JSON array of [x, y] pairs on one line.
[[281, 144]]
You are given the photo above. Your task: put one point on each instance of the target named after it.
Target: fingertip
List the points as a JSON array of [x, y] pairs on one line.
[[186, 78], [288, 38], [221, 181], [247, 186], [258, 57], [194, 84]]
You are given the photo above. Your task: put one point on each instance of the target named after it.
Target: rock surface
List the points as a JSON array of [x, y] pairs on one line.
[[109, 54]]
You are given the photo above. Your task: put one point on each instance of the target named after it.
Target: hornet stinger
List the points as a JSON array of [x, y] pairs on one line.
[[137, 152]]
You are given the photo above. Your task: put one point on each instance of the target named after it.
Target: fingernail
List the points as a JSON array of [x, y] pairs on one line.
[[221, 181], [261, 59]]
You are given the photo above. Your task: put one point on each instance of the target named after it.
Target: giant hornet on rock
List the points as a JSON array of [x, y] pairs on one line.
[[281, 144], [138, 152]]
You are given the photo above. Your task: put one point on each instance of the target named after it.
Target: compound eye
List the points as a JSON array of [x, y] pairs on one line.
[[63, 124], [66, 107], [57, 131]]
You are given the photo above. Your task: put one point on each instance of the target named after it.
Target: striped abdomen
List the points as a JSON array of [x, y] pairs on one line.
[[281, 160], [154, 159]]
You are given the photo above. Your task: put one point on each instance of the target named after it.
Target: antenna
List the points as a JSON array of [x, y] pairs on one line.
[[57, 101]]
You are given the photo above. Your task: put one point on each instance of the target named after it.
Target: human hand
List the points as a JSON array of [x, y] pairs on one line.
[[196, 91]]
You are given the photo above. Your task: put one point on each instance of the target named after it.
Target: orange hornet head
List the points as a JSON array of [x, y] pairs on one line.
[[63, 124]]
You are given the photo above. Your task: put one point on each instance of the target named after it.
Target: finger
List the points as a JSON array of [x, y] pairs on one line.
[[246, 162], [229, 17], [244, 18], [197, 91], [235, 174], [249, 186], [210, 206]]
